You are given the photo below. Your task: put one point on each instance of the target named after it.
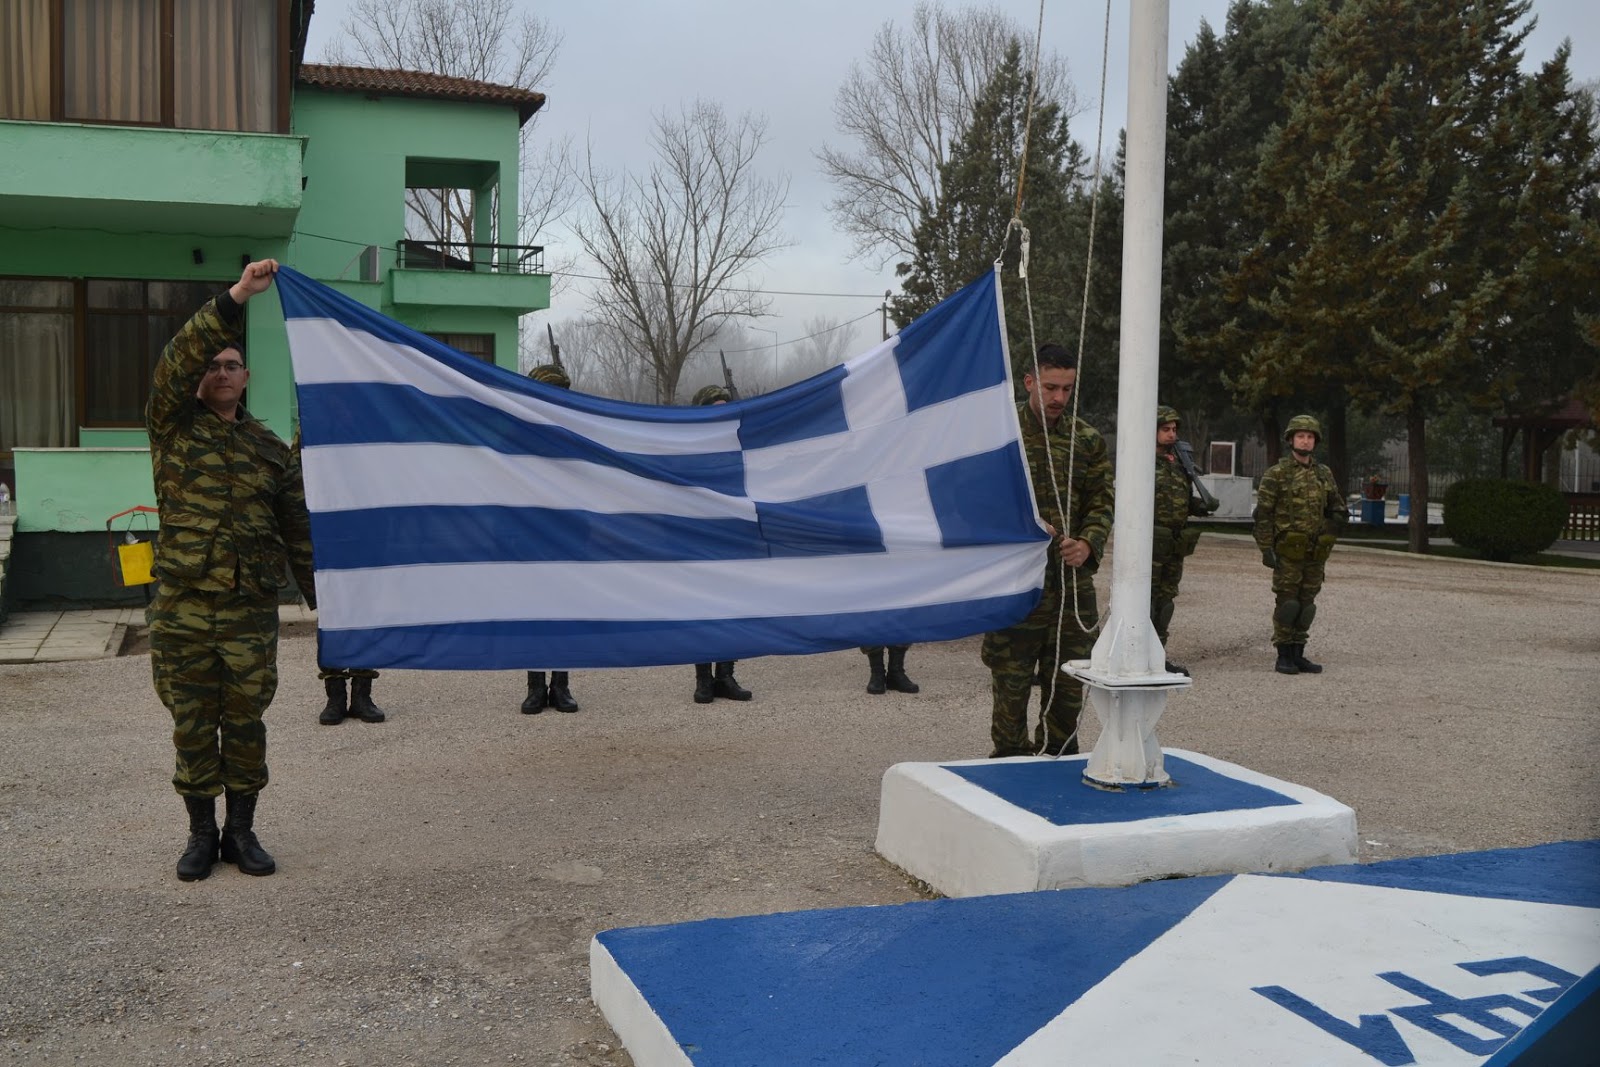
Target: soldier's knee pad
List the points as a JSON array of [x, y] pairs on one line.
[[1161, 615], [1307, 613], [1286, 613]]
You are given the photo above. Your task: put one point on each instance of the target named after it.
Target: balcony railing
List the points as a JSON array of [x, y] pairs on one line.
[[467, 256]]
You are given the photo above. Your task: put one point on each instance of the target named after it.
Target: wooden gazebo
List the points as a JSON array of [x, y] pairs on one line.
[[1539, 432]]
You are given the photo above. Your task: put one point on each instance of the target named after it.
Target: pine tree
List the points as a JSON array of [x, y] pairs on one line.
[[1380, 274], [1226, 97], [964, 233]]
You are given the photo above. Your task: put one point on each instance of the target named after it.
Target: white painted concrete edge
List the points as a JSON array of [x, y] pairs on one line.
[[964, 841], [960, 839], [629, 1015]]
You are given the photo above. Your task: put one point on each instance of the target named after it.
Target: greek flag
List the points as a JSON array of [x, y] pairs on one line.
[[467, 518]]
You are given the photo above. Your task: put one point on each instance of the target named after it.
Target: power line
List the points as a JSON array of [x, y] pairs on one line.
[[598, 278], [797, 340]]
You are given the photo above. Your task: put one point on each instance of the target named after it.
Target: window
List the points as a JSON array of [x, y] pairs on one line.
[[36, 365], [194, 64], [126, 324], [80, 352], [480, 345]]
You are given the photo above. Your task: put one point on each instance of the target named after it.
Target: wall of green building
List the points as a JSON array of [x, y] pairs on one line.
[[355, 169], [354, 165], [72, 490]]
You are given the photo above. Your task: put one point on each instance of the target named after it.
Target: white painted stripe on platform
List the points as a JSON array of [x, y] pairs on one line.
[[1326, 942]]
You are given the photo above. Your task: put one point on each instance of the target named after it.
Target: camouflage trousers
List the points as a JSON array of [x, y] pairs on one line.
[[1295, 585], [324, 673], [1033, 649], [214, 657], [1165, 574]]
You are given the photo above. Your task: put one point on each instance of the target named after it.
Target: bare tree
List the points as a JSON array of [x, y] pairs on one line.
[[484, 40], [600, 362], [902, 107], [675, 245], [827, 343]]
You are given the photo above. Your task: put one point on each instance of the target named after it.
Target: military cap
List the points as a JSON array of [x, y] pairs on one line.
[[1303, 422], [710, 394], [1165, 415], [551, 374]]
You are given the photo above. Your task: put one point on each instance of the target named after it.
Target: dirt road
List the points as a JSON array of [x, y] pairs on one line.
[[440, 875]]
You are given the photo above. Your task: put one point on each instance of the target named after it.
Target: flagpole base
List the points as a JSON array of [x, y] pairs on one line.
[[1128, 752]]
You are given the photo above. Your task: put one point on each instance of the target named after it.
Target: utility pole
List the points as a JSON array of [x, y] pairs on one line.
[[884, 310]]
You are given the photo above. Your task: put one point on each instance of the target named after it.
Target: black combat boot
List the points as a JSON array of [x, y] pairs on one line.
[[1286, 664], [201, 852], [704, 688], [334, 711], [361, 705], [538, 696], [877, 683], [1305, 665], [239, 844], [1177, 668], [727, 685], [896, 677], [560, 694]]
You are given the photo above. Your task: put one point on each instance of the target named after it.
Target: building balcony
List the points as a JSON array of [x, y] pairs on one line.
[[137, 179], [446, 274]]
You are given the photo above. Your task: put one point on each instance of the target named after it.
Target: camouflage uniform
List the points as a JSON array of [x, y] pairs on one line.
[[233, 515], [712, 680], [1299, 513], [558, 693], [1033, 647], [1172, 541]]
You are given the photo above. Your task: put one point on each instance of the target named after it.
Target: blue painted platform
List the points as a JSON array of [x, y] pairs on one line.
[[1438, 961]]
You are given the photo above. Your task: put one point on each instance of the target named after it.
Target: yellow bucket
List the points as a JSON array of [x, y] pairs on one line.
[[136, 560]]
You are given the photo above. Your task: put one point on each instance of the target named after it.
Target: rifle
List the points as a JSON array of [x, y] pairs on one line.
[[727, 377], [555, 349], [1186, 461]]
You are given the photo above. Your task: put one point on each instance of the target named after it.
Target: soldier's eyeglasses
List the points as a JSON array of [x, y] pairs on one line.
[[227, 366]]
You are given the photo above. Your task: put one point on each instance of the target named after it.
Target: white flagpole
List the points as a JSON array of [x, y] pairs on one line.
[[1126, 681]]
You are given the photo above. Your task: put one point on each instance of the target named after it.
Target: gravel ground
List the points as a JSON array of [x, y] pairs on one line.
[[440, 875]]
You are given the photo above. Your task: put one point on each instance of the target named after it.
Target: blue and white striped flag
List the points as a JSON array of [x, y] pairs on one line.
[[465, 517]]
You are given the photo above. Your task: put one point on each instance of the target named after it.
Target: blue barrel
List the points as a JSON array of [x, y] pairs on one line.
[[1372, 512], [1405, 505]]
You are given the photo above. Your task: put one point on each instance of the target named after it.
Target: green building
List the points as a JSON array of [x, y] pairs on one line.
[[148, 148]]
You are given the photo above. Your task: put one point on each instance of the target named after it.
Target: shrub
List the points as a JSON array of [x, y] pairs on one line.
[[1501, 518]]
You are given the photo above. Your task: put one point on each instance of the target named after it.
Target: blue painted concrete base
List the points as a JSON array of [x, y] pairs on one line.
[[1437, 961], [1014, 825]]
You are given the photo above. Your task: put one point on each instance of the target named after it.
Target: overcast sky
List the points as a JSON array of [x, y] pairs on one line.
[[624, 61]]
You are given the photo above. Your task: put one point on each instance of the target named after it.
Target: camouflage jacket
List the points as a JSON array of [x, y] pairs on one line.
[[1175, 501], [1089, 506], [233, 506], [1298, 498]]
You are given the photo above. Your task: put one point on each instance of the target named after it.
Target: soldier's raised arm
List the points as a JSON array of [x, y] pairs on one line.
[[217, 325]]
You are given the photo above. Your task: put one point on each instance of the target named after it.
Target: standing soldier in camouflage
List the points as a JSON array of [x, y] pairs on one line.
[[712, 681], [1299, 513], [343, 702], [233, 514], [1063, 453], [1172, 540], [558, 693], [357, 703], [880, 680]]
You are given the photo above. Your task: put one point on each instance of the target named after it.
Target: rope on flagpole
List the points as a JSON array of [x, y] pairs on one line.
[[1048, 689]]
